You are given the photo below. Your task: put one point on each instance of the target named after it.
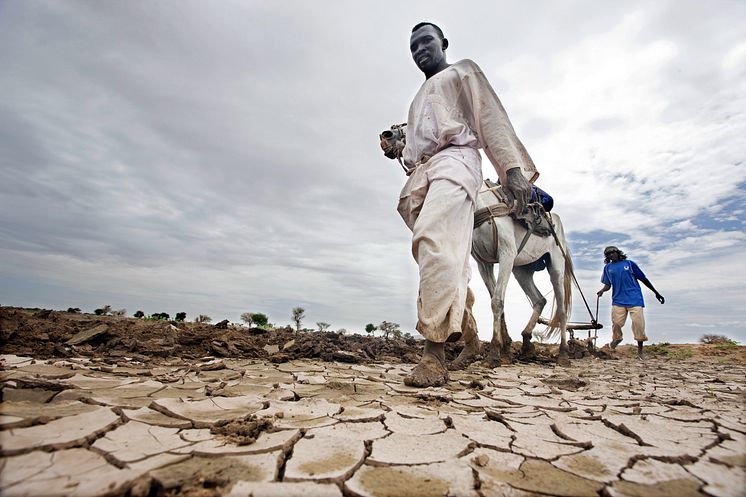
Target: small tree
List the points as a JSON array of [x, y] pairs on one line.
[[99, 312], [298, 314], [370, 328], [120, 312], [139, 314], [203, 319], [323, 326], [180, 316], [248, 318], [73, 310], [388, 328], [261, 319]]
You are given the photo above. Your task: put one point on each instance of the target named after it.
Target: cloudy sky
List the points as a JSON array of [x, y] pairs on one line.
[[222, 157]]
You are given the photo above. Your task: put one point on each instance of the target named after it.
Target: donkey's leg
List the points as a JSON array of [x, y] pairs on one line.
[[486, 270], [525, 277], [557, 277], [500, 337], [472, 347]]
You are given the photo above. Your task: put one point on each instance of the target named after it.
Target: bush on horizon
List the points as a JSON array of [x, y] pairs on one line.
[[717, 340]]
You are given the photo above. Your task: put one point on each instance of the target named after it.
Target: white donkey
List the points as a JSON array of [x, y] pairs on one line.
[[497, 241]]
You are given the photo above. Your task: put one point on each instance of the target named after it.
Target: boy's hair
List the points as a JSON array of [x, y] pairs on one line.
[[608, 250], [423, 24]]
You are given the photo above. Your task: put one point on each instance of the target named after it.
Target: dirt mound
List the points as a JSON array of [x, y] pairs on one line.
[[45, 333], [243, 431]]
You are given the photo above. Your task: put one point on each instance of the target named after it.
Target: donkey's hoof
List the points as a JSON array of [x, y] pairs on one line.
[[563, 361], [528, 351]]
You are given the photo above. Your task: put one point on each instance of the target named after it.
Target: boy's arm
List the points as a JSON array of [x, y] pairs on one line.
[[658, 296]]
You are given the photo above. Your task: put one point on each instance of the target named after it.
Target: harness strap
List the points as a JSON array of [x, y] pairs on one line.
[[523, 242]]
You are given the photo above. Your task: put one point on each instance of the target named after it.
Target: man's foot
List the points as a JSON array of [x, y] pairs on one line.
[[642, 355], [614, 343], [430, 372]]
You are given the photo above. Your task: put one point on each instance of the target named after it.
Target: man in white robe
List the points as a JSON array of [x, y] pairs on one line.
[[454, 114]]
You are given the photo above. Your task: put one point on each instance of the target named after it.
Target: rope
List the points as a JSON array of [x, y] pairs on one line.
[[556, 240]]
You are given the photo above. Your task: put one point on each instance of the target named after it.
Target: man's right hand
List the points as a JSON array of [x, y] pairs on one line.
[[519, 187], [600, 292]]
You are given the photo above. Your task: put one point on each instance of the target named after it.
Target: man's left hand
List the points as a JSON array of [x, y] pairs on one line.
[[519, 187], [660, 298]]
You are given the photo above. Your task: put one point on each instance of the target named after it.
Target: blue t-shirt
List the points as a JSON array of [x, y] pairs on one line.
[[623, 276]]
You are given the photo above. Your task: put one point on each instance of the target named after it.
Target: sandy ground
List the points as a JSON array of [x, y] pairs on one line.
[[104, 417]]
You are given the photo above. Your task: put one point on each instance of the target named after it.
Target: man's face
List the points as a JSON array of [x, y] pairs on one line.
[[612, 255], [427, 48]]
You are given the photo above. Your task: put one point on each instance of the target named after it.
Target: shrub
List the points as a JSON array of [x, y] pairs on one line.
[[716, 340], [323, 326], [180, 316], [73, 310], [370, 328], [139, 314], [203, 319], [731, 344], [261, 319], [658, 349]]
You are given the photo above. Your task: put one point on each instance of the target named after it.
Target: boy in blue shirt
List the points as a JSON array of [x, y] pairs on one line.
[[622, 275]]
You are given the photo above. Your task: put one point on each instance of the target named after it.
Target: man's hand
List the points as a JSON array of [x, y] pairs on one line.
[[519, 187], [600, 292], [660, 298]]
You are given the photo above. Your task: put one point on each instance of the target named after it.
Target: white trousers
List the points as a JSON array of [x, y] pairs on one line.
[[441, 245]]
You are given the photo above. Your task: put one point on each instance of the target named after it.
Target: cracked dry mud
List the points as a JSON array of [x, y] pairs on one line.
[[214, 427]]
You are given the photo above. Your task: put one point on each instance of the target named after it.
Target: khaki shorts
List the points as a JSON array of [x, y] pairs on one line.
[[619, 317]]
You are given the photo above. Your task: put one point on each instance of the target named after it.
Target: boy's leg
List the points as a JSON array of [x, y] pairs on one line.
[[637, 316], [618, 318]]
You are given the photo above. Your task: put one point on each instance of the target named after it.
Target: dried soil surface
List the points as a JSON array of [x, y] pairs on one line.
[[106, 406]]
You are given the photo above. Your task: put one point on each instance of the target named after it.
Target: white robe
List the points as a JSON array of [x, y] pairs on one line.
[[454, 113]]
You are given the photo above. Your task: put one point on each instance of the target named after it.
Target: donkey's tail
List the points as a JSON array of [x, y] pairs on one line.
[[555, 326]]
